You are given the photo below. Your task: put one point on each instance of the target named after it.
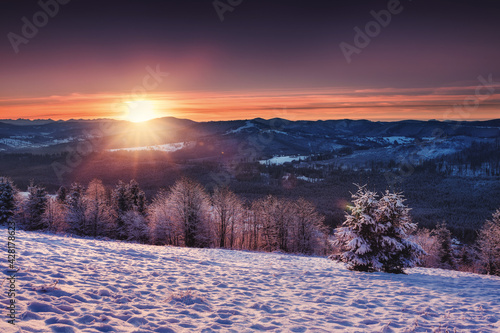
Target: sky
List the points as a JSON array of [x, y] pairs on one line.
[[240, 59]]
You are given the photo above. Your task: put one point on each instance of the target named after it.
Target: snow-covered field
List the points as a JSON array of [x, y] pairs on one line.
[[108, 286]]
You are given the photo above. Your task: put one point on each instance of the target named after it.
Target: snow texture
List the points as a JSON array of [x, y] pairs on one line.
[[110, 286]]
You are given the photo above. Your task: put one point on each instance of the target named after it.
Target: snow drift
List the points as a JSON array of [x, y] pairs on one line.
[[82, 285]]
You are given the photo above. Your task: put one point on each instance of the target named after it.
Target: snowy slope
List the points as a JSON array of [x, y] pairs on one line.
[[111, 286]]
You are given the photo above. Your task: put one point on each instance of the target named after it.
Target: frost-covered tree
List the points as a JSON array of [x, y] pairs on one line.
[[489, 244], [429, 243], [189, 204], [227, 211], [34, 208], [98, 213], [55, 216], [164, 228], [136, 226], [7, 200], [375, 234], [398, 252]]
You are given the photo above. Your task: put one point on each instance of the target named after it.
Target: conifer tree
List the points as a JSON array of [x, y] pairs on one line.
[[375, 234], [76, 208], [7, 200], [445, 251], [127, 198], [35, 207], [62, 194]]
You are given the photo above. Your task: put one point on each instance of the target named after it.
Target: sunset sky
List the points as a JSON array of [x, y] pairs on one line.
[[265, 59]]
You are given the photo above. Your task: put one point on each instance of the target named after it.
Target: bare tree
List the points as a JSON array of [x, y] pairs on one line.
[[255, 224], [273, 217], [308, 230], [227, 210]]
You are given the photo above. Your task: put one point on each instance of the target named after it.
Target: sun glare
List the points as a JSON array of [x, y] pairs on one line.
[[140, 111]]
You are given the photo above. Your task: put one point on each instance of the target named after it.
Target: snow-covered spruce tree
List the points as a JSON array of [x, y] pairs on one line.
[[375, 234], [398, 252], [359, 233], [7, 200], [489, 244]]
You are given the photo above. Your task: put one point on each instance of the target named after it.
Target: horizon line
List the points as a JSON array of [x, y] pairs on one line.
[[243, 119]]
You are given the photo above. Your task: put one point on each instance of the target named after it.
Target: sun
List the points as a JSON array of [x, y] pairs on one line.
[[140, 111]]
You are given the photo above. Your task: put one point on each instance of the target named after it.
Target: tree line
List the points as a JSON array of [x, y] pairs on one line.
[[183, 215], [377, 234]]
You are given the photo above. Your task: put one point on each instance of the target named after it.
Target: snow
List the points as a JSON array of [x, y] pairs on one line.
[[168, 147], [282, 159], [22, 142], [279, 132], [247, 125], [124, 287], [16, 143]]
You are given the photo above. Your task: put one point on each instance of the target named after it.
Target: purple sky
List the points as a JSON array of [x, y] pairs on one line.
[[265, 56]]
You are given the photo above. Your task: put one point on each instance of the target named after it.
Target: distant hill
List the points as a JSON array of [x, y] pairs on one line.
[[277, 136]]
